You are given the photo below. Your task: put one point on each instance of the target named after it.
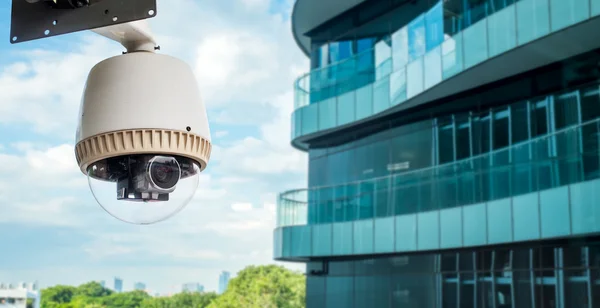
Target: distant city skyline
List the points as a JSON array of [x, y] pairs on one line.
[[192, 287], [139, 286], [223, 281], [118, 285]]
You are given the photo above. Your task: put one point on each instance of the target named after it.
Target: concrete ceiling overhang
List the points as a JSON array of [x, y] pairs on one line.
[[309, 14]]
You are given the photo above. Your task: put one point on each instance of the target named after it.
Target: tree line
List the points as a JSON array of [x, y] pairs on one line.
[[255, 286]]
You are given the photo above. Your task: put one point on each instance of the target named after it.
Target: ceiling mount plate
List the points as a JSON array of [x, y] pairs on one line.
[[37, 20]]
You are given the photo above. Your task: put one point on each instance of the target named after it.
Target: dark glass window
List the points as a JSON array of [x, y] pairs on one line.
[[539, 118], [339, 51], [463, 137], [446, 141], [501, 129], [519, 122], [590, 137]]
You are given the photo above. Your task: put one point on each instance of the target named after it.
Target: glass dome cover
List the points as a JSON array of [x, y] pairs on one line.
[[143, 189]]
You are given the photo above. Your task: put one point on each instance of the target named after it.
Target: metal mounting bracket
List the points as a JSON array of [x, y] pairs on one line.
[[37, 19]]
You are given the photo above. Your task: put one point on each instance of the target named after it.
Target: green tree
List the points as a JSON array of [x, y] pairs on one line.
[[186, 299], [132, 299], [55, 296], [264, 287], [92, 289]]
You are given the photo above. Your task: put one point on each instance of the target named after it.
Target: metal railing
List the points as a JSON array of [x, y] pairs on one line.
[[563, 157]]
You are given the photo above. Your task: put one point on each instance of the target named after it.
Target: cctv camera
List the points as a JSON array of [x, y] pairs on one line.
[[143, 136]]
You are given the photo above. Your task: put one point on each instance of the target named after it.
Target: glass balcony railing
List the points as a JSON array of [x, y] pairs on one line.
[[354, 89], [545, 188], [559, 159]]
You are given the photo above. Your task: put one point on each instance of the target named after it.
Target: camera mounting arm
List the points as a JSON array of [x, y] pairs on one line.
[[36, 19], [134, 36]]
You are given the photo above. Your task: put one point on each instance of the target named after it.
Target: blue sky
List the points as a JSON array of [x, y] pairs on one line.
[[53, 231]]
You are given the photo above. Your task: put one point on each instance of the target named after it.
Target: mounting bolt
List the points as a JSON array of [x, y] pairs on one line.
[[157, 48]]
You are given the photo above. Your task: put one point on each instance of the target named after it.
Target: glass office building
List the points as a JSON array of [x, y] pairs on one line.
[[454, 154]]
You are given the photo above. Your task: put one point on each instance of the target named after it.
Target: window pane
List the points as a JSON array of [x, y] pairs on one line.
[[452, 56], [383, 207], [434, 21], [365, 207], [383, 58], [519, 122], [502, 31], [414, 78], [327, 113], [532, 20], [398, 87], [309, 119], [446, 141], [384, 235], [339, 51], [363, 236], [400, 48], [433, 67], [342, 238], [475, 41], [346, 108], [567, 12], [500, 129], [416, 38], [364, 102], [595, 7], [315, 291], [414, 290], [340, 291], [590, 109], [381, 95]]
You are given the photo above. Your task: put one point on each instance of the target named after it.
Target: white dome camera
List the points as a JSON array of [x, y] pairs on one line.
[[143, 134]]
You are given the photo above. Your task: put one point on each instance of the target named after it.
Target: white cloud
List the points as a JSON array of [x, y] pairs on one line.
[[257, 4], [241, 207], [246, 62], [221, 133], [34, 92], [270, 207]]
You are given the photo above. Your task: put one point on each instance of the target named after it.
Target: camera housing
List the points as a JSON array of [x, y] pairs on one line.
[[143, 135]]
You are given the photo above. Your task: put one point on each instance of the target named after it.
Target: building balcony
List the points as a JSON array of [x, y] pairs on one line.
[[544, 188], [509, 40]]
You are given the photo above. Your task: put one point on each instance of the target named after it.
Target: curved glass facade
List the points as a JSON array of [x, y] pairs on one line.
[[449, 38], [483, 190], [454, 160], [541, 276], [518, 194]]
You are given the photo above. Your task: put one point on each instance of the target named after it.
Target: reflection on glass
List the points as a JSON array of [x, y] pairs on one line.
[[398, 87], [564, 13], [364, 102], [400, 48], [327, 114], [433, 67], [346, 108], [595, 7], [339, 51], [415, 78], [502, 32], [416, 38], [452, 56], [434, 25], [533, 20], [475, 44], [383, 56], [381, 95]]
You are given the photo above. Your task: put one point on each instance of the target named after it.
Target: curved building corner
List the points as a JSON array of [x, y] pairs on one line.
[[454, 154]]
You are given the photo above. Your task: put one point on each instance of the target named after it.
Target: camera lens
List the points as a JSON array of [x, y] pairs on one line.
[[164, 172]]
